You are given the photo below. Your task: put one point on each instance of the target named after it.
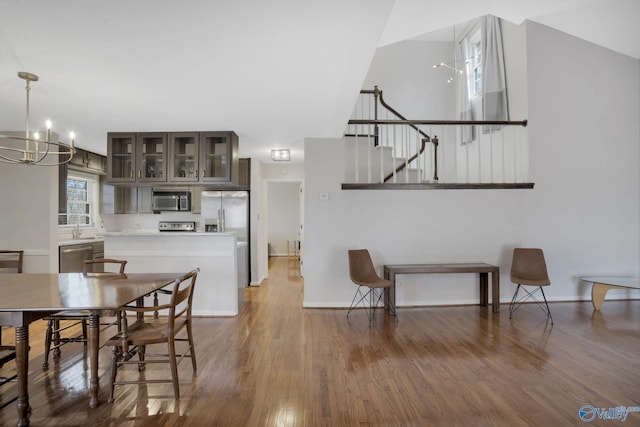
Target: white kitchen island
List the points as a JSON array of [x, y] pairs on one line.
[[219, 288]]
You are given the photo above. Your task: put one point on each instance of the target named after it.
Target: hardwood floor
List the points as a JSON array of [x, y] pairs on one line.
[[277, 364]]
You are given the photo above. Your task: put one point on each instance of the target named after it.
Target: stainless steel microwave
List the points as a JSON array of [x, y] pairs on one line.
[[172, 201]]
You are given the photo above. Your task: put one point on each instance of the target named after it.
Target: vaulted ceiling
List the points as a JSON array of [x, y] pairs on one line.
[[274, 72]]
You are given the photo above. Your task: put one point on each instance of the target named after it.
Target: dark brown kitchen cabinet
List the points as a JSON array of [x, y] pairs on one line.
[[89, 162], [125, 200], [184, 154], [136, 157], [95, 163], [151, 162], [121, 157], [203, 157], [209, 158], [219, 157], [244, 174]]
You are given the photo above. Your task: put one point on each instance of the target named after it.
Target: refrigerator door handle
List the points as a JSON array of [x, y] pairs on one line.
[[221, 224]]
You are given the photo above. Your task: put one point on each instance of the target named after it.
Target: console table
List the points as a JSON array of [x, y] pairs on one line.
[[483, 270]]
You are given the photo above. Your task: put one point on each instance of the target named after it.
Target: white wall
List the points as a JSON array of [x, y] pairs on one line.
[[259, 257], [284, 215], [584, 104], [394, 69], [29, 213], [583, 107]]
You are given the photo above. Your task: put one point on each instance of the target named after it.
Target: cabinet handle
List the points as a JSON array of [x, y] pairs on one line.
[[203, 172], [139, 174]]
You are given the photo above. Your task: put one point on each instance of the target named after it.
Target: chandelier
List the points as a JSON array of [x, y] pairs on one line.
[[38, 149], [451, 66]]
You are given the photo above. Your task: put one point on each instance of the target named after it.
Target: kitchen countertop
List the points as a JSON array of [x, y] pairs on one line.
[[154, 233], [80, 241]]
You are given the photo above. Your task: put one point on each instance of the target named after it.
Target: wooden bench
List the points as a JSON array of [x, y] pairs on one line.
[[483, 270], [601, 286]]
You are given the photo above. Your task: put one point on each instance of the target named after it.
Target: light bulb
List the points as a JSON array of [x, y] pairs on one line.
[[48, 124]]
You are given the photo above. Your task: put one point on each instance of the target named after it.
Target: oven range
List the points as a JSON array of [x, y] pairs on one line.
[[177, 226]]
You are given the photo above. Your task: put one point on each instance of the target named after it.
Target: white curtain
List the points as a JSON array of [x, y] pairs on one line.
[[465, 112], [494, 86], [493, 105]]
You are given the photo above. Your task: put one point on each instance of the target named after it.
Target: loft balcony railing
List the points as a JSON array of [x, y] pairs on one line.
[[386, 150]]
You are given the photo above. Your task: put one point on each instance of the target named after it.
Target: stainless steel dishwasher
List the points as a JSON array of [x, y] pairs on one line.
[[72, 257]]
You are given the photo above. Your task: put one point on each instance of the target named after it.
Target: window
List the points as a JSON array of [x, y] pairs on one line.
[[82, 200], [482, 95], [475, 65]]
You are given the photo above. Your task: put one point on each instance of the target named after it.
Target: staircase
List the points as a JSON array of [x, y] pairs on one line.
[[373, 163]]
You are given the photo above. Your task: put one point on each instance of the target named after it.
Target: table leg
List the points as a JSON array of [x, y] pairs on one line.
[[495, 291], [22, 366], [484, 289], [94, 344], [390, 295], [598, 292]]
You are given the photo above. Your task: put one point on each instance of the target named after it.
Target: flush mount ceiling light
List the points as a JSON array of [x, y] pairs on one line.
[[280, 155], [38, 149]]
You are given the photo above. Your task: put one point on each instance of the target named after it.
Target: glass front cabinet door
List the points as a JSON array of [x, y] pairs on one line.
[[121, 157], [218, 157], [183, 155], [152, 155]]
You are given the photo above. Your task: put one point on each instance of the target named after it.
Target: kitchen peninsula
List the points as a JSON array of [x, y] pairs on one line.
[[221, 258]]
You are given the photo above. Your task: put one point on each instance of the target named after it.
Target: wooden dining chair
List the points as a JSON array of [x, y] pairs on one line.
[[10, 262], [63, 320], [169, 329]]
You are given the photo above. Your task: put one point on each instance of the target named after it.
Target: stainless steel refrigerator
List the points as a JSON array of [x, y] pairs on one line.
[[227, 212]]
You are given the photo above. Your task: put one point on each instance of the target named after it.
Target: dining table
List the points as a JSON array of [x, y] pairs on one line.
[[27, 297]]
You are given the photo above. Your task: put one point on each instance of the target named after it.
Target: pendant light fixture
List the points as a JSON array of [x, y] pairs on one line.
[[34, 148]]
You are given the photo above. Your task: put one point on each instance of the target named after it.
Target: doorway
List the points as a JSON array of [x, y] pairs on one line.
[[284, 221]]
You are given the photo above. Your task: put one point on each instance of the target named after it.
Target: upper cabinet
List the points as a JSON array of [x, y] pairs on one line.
[[219, 157], [173, 158], [89, 162], [121, 157], [151, 152], [184, 149], [136, 157]]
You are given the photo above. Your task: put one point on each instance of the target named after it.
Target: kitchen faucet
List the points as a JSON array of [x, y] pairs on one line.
[[76, 232]]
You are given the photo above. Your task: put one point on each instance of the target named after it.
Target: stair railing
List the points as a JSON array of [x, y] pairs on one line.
[[366, 125], [375, 136]]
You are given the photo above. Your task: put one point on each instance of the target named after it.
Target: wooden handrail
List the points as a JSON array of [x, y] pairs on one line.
[[377, 93], [522, 123]]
